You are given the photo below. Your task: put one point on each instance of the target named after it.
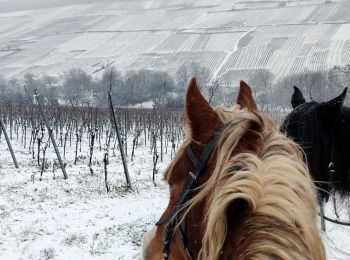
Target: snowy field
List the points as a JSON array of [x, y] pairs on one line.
[[228, 37], [76, 218]]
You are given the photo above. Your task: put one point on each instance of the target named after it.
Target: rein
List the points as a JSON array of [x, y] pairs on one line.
[[331, 171], [335, 221], [172, 218], [331, 165]]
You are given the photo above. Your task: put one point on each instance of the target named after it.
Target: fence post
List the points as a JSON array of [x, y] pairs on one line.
[[161, 134], [126, 133], [65, 176], [9, 144], [121, 148]]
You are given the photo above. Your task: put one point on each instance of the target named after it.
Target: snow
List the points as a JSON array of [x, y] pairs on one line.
[[81, 35], [343, 33], [76, 218]]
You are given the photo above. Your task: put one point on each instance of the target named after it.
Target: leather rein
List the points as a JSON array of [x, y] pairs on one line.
[[172, 219], [331, 171]]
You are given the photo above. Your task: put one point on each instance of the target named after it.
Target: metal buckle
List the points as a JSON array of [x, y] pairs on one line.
[[193, 176], [331, 167]]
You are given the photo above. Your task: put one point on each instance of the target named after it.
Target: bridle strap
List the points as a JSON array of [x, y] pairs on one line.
[[331, 166], [172, 218], [198, 164], [199, 167]]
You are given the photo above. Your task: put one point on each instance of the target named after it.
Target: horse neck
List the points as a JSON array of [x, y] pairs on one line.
[[342, 142], [330, 145]]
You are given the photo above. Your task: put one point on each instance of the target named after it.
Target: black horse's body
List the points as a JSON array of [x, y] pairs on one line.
[[323, 131]]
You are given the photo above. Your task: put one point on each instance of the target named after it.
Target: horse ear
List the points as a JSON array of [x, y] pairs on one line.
[[297, 98], [335, 103], [330, 111], [201, 117], [245, 98]]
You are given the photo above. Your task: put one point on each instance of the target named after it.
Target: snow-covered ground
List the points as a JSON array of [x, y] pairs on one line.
[[228, 37], [76, 218]]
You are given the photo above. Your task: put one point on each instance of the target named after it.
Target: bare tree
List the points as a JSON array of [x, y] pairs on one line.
[[2, 85], [212, 89], [51, 83], [201, 73], [338, 78], [183, 76], [261, 82], [194, 69], [111, 80], [76, 82]]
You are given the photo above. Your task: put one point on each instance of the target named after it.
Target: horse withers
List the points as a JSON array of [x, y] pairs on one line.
[[239, 189]]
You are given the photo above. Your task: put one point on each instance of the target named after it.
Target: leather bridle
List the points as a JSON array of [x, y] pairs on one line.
[[199, 165], [331, 165]]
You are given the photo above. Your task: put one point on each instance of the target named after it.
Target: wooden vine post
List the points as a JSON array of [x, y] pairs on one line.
[[65, 176], [121, 148], [2, 126], [126, 133]]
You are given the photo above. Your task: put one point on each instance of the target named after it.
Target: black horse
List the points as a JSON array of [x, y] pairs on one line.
[[323, 131]]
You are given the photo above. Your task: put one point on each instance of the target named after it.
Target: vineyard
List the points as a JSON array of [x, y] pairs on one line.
[[91, 211], [87, 130], [308, 35]]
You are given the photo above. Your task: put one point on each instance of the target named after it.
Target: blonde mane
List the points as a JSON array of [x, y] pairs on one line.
[[279, 220]]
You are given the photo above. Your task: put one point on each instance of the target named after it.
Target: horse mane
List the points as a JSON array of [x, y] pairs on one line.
[[264, 199], [343, 140], [316, 140], [311, 137]]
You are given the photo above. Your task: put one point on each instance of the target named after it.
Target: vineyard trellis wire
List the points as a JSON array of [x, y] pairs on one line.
[[82, 130]]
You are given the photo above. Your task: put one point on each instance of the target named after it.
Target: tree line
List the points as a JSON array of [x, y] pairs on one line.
[[317, 86], [76, 87]]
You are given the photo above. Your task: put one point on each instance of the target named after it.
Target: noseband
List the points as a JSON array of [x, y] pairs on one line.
[[173, 218]]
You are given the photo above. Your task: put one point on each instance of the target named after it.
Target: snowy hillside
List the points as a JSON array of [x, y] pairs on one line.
[[229, 37]]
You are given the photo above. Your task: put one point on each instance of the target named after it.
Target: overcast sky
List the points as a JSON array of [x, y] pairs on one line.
[[15, 5]]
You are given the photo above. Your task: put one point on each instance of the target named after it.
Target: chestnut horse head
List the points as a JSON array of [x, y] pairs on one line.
[[239, 189]]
